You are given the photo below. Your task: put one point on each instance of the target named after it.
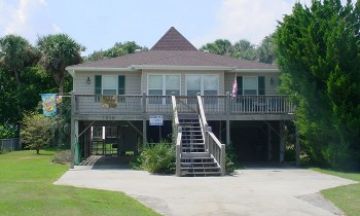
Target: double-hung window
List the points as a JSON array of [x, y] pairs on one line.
[[251, 85], [109, 85], [162, 85], [207, 85]]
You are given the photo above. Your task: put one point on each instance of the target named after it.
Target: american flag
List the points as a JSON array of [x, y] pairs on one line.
[[234, 88]]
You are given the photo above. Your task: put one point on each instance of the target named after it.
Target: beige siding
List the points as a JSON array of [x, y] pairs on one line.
[[132, 82], [270, 88], [136, 82], [183, 75]]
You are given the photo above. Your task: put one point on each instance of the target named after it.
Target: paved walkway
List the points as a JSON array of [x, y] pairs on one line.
[[271, 192]]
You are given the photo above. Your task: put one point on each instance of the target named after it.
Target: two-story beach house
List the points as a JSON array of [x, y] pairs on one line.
[[174, 91]]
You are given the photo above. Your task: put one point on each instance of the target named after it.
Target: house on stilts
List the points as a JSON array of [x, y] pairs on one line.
[[176, 91]]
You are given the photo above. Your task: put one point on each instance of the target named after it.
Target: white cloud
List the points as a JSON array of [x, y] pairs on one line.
[[248, 19], [28, 18]]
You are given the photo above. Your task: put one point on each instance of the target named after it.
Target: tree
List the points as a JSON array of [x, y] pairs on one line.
[[118, 49], [36, 131], [57, 52], [9, 102], [15, 54], [266, 51], [318, 50], [218, 47], [243, 49]]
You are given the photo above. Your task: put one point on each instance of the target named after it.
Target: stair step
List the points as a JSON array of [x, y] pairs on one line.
[[193, 149], [208, 165], [198, 163], [184, 144], [194, 140], [200, 174], [195, 155]]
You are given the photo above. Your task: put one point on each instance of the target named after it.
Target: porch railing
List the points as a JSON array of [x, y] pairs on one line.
[[220, 104], [212, 143]]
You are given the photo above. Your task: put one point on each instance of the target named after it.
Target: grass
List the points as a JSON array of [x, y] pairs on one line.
[[347, 198], [26, 189]]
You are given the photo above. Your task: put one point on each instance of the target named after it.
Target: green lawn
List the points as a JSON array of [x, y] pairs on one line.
[[347, 197], [26, 189]]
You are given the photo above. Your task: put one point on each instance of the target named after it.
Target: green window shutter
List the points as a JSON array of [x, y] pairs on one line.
[[239, 80], [98, 84], [121, 85], [261, 85]]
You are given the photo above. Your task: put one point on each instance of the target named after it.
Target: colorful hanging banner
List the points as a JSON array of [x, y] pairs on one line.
[[49, 104]]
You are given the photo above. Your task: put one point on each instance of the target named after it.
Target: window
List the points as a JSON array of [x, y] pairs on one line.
[[202, 84], [163, 85], [251, 85], [109, 85]]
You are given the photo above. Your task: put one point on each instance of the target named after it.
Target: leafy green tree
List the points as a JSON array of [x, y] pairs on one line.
[[36, 131], [318, 50], [9, 102], [57, 52], [266, 50], [243, 49], [218, 47], [118, 49], [16, 53]]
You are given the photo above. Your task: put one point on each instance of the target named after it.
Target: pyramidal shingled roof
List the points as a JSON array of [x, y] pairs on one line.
[[173, 49], [173, 40]]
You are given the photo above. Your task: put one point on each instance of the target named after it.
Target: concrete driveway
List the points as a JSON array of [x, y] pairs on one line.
[[248, 192]]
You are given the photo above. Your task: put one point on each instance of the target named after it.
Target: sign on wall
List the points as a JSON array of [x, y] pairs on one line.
[[156, 120]]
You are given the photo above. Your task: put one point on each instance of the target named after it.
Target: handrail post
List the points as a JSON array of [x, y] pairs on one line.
[[178, 151], [223, 159]]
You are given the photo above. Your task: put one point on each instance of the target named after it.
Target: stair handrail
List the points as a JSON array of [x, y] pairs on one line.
[[177, 134], [212, 143], [202, 112], [218, 151], [175, 111]]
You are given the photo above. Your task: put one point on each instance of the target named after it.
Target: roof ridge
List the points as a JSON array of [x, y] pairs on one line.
[[173, 40]]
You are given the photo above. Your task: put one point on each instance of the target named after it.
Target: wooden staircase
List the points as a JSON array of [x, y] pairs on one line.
[[195, 160]]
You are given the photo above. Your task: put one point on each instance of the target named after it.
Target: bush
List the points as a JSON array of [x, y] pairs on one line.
[[232, 161], [159, 158], [7, 132], [36, 131], [62, 157]]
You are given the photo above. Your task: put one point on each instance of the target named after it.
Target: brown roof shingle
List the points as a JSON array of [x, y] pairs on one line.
[[173, 40]]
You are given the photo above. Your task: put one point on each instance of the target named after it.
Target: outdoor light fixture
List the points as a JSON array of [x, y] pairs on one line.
[[272, 81], [88, 81]]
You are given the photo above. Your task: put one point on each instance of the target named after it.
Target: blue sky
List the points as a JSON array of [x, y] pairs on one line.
[[98, 24]]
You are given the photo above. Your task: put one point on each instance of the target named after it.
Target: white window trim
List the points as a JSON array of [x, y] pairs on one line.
[[257, 85], [202, 82], [102, 83]]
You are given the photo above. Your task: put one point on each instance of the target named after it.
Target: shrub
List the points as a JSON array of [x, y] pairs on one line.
[[159, 158], [36, 131], [7, 132], [62, 157]]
